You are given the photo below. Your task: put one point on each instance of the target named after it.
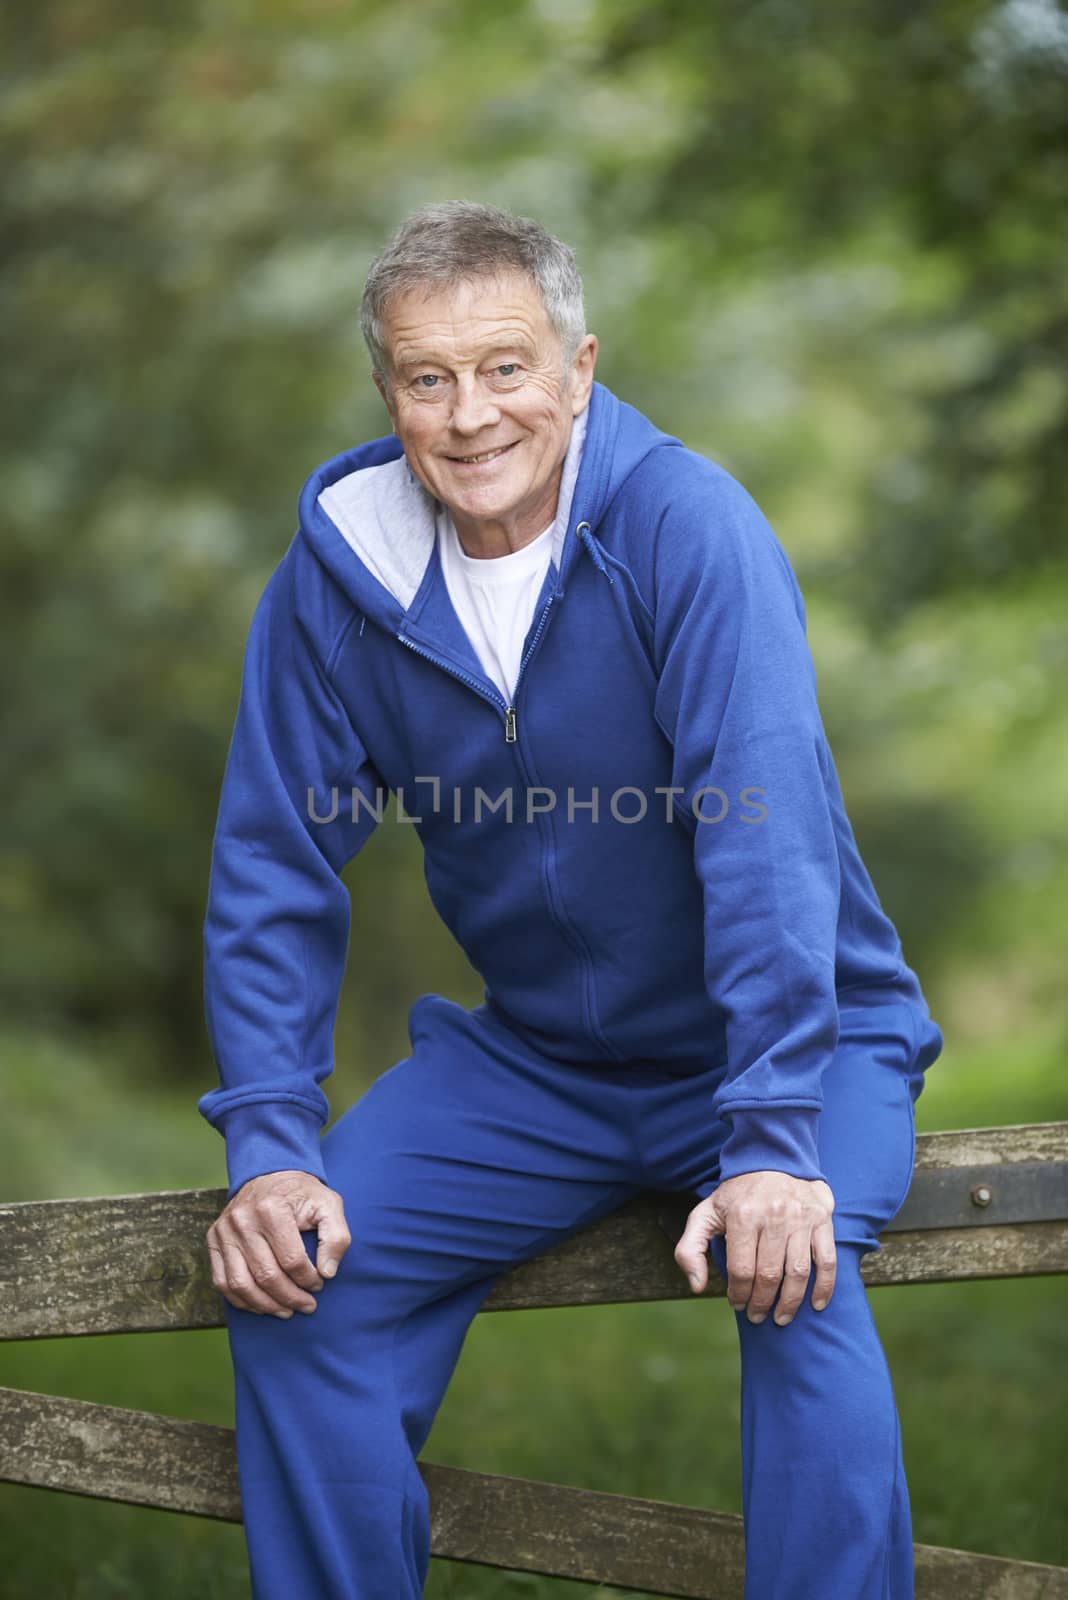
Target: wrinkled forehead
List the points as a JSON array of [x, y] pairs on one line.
[[465, 315]]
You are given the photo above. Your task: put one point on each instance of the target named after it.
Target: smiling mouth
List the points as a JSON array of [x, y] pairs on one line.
[[487, 455]]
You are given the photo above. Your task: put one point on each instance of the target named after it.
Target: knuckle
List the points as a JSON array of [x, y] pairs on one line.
[[768, 1275], [262, 1273], [233, 1264], [292, 1260]]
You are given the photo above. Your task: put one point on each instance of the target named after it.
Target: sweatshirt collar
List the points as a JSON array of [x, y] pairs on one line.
[[367, 504], [388, 519]]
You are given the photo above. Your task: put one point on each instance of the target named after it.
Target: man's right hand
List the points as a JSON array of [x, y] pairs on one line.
[[258, 1259]]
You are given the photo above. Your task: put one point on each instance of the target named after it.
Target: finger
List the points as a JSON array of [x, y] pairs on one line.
[[218, 1269], [219, 1276], [825, 1255], [269, 1277], [796, 1276], [770, 1266], [691, 1252], [741, 1241], [278, 1226], [334, 1236], [242, 1290]]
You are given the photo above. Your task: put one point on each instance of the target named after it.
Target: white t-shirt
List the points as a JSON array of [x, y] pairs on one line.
[[494, 597]]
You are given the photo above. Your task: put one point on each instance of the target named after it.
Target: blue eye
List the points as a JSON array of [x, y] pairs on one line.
[[508, 368], [427, 379]]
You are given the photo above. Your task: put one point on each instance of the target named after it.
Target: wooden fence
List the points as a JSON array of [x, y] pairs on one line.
[[984, 1203]]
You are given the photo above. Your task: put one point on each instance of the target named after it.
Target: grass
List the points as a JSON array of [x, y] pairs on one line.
[[631, 1399]]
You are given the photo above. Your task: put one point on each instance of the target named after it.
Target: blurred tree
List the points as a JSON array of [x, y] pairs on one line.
[[934, 140], [824, 244]]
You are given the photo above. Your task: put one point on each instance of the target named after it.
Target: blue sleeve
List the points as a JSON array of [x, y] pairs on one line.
[[737, 700], [277, 924]]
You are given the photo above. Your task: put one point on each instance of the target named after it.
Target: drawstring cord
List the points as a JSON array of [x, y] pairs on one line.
[[585, 533]]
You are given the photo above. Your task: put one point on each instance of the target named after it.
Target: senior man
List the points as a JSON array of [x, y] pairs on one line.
[[575, 651]]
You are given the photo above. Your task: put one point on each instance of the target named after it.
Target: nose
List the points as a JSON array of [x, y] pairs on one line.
[[474, 409]]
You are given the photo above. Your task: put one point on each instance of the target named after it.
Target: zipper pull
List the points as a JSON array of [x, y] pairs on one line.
[[509, 725]]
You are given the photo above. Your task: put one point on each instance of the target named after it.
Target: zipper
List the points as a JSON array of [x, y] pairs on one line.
[[455, 672], [584, 533], [556, 909], [510, 715], [569, 932]]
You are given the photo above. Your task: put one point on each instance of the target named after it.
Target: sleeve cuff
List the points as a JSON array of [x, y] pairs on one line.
[[773, 1139], [270, 1136]]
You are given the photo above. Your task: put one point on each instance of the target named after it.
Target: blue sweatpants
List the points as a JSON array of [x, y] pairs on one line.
[[476, 1152]]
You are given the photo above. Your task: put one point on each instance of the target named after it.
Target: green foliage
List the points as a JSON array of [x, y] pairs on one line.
[[822, 243], [817, 244]]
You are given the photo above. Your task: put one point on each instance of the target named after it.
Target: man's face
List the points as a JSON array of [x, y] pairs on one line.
[[478, 398]]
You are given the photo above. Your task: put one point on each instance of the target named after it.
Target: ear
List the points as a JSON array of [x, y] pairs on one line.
[[582, 374]]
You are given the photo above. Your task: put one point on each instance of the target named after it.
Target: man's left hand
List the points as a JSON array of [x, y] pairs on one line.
[[775, 1227]]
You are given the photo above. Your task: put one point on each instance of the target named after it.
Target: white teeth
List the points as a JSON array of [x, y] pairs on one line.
[[487, 455]]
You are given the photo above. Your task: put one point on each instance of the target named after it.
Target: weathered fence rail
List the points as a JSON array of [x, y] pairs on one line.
[[984, 1203]]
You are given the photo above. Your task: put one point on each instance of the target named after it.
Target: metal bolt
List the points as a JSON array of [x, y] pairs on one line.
[[981, 1194]]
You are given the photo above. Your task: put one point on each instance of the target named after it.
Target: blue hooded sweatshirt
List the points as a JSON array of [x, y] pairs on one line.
[[646, 857]]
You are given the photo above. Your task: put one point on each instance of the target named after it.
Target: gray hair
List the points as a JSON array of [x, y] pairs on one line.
[[455, 241]]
